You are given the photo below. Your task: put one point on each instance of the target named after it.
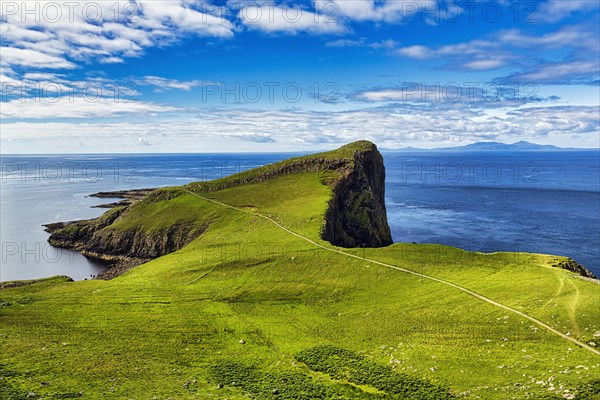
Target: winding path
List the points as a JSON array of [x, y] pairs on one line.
[[465, 290]]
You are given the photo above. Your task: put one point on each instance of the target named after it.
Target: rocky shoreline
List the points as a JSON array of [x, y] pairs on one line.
[[573, 266], [116, 264], [128, 196]]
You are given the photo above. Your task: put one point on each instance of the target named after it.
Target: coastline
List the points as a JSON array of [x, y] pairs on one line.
[[115, 264]]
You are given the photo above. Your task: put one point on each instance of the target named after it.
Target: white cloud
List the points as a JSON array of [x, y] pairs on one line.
[[483, 64], [557, 72], [48, 87], [62, 34], [161, 83], [184, 17], [111, 60], [578, 36], [453, 95], [79, 107], [418, 52], [476, 55], [556, 10], [506, 47], [272, 19], [542, 121], [144, 142], [32, 58], [362, 42], [390, 11]]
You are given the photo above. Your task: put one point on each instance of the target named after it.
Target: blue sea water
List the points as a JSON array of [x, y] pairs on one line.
[[538, 202], [535, 202]]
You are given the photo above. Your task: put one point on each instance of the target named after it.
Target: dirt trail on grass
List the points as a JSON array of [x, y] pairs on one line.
[[573, 309], [465, 290], [558, 291]]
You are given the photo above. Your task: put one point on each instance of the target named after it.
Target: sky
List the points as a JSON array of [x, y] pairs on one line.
[[266, 76]]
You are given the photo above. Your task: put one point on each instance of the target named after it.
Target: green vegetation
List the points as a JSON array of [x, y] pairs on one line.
[[589, 390], [264, 385], [161, 210], [325, 163], [344, 365], [247, 307]]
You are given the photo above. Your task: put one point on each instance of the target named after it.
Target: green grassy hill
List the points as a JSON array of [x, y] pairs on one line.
[[260, 306]]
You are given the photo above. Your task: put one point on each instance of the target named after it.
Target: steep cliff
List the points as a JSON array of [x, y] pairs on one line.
[[356, 216], [95, 240], [103, 238]]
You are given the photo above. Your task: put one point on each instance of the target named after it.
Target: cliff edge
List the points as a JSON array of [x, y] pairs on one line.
[[356, 216]]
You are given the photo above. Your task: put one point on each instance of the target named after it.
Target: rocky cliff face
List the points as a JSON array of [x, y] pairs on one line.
[[122, 249], [573, 266], [90, 238], [356, 216]]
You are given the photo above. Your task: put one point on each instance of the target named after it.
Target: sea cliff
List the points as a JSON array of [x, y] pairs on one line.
[[355, 216]]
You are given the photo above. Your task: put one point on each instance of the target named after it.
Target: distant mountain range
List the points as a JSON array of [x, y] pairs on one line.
[[493, 146]]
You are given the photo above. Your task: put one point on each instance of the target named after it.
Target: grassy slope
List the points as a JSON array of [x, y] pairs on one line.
[[156, 330]]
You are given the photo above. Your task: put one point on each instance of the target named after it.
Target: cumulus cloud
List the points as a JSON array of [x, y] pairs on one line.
[[161, 84], [453, 95], [362, 42], [543, 121], [577, 45], [572, 72], [46, 34], [583, 36], [32, 58], [53, 87], [256, 137], [418, 52], [475, 55]]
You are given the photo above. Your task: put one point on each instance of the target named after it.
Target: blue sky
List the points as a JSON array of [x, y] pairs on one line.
[[206, 76]]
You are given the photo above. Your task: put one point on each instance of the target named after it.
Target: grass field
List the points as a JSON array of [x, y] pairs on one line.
[[248, 310]]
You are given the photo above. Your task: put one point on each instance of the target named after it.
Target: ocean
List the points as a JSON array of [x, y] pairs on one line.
[[546, 202]]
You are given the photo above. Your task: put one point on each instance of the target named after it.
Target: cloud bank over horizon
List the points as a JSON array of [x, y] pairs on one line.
[[274, 76]]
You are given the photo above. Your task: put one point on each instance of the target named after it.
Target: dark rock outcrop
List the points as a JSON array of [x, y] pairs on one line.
[[92, 239], [120, 249], [128, 196], [356, 216], [573, 266]]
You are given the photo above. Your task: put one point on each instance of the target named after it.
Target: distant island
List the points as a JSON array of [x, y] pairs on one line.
[[523, 146]]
